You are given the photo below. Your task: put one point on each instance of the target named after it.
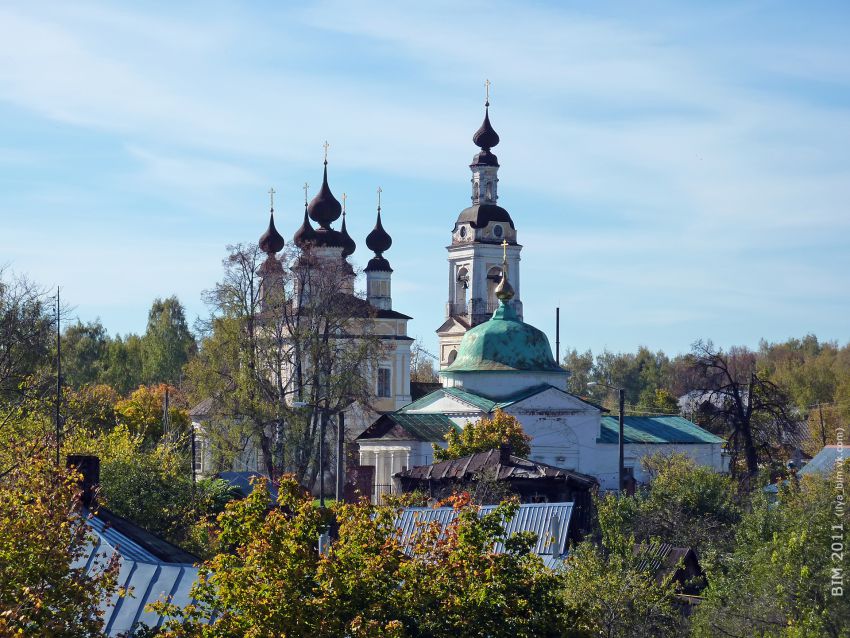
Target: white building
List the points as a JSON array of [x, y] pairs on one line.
[[491, 360]]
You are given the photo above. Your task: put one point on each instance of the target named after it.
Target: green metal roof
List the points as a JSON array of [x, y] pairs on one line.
[[655, 429], [484, 403], [504, 344], [424, 427]]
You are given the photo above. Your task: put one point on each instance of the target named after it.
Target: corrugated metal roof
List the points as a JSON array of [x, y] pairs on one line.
[[550, 521], [824, 461], [146, 577], [655, 429]]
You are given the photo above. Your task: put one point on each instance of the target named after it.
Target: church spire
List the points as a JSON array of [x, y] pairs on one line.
[[504, 291], [378, 270], [305, 233], [349, 246], [324, 209], [271, 241]]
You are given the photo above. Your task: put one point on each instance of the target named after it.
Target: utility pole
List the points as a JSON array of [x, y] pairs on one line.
[[822, 428], [621, 467], [558, 335], [322, 420], [58, 381], [194, 454], [340, 455]]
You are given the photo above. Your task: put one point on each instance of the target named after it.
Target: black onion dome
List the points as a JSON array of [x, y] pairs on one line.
[[379, 241], [485, 137], [271, 241], [349, 246], [305, 234], [324, 209]]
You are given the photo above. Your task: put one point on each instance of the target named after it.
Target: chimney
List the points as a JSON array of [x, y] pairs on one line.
[[89, 467], [505, 454]]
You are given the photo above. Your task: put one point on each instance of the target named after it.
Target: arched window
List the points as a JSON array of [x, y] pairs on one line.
[[452, 356]]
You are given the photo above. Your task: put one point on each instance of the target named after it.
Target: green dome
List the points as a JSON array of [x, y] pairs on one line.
[[504, 344]]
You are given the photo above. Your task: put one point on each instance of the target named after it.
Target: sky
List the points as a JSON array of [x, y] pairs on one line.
[[675, 171]]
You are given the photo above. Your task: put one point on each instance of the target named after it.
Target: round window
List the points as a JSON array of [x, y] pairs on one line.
[[497, 230], [463, 231]]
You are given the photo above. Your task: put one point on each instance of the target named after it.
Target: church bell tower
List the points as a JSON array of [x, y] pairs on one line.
[[475, 254]]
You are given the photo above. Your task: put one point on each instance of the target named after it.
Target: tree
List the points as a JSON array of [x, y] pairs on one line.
[[580, 367], [27, 328], [167, 343], [91, 407], [687, 505], [658, 401], [485, 434], [123, 369], [741, 403], [610, 592], [151, 485], [45, 589], [270, 580], [777, 581], [84, 348], [422, 365], [143, 412], [285, 329]]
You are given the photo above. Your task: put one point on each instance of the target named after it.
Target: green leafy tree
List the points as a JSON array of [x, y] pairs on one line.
[[777, 581], [167, 343], [43, 589], [658, 401], [270, 580], [90, 407], [123, 366], [485, 434], [687, 505], [609, 592], [27, 329], [151, 486], [580, 366], [84, 349]]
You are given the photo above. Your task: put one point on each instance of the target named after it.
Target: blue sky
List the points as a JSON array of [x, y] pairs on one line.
[[675, 171]]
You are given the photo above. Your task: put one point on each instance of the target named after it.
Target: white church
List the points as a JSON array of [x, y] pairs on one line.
[[489, 358]]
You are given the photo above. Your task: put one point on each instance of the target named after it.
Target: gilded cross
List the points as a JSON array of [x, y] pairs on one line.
[[379, 197], [505, 250], [487, 90], [305, 187], [271, 196], [344, 197], [326, 147]]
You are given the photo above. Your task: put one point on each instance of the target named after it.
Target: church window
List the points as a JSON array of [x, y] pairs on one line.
[[384, 386], [475, 187], [452, 357], [463, 231], [497, 230], [489, 190]]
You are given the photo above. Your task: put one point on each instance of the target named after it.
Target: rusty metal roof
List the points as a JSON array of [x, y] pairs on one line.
[[468, 467]]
